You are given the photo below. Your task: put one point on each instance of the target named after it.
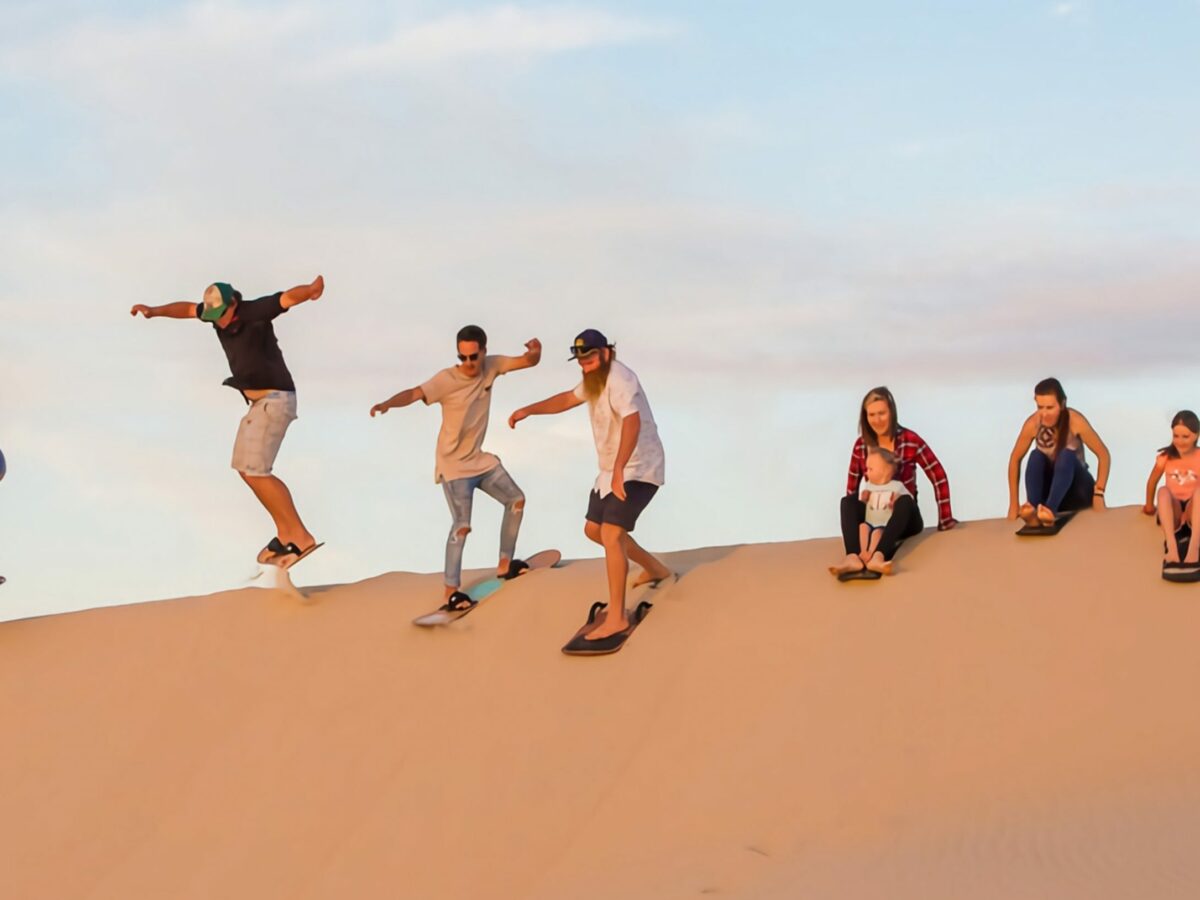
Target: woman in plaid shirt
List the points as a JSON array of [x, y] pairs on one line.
[[878, 427]]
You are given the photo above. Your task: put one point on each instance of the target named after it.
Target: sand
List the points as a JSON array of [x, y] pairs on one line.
[[1007, 718]]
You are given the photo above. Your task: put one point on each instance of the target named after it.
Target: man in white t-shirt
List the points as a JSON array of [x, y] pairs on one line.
[[465, 394], [631, 467]]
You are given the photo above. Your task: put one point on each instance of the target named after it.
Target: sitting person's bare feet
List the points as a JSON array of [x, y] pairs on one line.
[[880, 565], [1044, 515], [851, 563], [1028, 512], [652, 576], [1173, 553]]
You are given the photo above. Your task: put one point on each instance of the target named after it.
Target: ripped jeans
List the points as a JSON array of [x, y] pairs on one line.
[[460, 494]]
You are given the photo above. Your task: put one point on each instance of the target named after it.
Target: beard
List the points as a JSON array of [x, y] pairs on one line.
[[595, 380]]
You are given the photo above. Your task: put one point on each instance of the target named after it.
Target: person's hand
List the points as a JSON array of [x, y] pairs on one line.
[[534, 347], [140, 308], [948, 524], [1012, 511], [1098, 502], [380, 408], [517, 417], [618, 484], [1149, 509], [318, 287]]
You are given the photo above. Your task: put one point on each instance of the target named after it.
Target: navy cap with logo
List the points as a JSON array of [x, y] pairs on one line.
[[587, 342]]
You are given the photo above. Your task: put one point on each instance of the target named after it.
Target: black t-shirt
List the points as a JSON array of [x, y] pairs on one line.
[[251, 348]]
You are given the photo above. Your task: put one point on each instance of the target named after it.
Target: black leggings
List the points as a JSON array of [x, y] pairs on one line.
[[904, 523]]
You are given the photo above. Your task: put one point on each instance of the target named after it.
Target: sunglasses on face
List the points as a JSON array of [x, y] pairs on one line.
[[470, 358]]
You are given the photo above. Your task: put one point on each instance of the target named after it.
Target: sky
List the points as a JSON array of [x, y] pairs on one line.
[[769, 207]]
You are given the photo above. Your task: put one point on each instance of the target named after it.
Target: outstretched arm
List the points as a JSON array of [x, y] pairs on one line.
[[1152, 484], [181, 310], [398, 401], [1024, 439], [530, 358], [1092, 441], [303, 293], [548, 407]]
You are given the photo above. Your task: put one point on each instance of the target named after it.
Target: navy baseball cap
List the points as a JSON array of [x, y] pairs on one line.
[[588, 341]]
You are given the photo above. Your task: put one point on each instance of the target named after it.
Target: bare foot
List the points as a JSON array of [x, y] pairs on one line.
[[652, 577], [1173, 554], [610, 626], [1029, 513], [1045, 516], [851, 563], [880, 565]]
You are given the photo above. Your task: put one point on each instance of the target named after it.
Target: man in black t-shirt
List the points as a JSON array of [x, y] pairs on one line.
[[246, 333]]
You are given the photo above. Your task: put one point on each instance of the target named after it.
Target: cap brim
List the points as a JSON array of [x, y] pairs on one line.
[[211, 315]]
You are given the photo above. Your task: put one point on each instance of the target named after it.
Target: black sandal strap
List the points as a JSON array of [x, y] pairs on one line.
[[456, 602], [515, 568]]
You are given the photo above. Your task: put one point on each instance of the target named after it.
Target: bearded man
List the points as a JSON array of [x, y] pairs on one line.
[[632, 466]]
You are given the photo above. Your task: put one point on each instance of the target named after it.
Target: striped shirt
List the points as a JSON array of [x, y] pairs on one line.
[[910, 451]]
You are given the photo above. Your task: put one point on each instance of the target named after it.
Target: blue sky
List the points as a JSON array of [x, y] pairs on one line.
[[770, 206]]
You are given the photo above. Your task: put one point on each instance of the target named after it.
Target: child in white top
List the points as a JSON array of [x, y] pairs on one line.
[[879, 492]]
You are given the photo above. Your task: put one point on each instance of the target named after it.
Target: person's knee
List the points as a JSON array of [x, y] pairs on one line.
[[459, 532], [591, 531], [518, 505], [904, 502], [612, 536]]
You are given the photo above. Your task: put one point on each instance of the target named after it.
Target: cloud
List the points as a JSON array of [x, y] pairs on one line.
[[503, 31], [1069, 9]]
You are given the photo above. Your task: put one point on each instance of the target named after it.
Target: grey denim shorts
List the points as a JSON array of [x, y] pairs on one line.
[[261, 432]]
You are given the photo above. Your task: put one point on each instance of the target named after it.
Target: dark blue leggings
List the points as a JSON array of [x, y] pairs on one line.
[[1060, 484]]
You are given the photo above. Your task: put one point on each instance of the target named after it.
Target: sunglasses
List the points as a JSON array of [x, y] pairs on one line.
[[471, 358]]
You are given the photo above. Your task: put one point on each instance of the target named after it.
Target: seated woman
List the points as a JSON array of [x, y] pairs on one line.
[[879, 427], [1179, 461], [1056, 477]]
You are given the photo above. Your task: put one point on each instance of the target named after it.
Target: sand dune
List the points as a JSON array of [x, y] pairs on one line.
[[1004, 718]]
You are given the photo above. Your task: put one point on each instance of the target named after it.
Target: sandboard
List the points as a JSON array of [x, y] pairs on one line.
[[579, 645], [483, 589], [1060, 523]]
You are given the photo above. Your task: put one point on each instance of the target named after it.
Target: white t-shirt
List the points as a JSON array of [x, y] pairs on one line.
[[880, 500], [622, 396]]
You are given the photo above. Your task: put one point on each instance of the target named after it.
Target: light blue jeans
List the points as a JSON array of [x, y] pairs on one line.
[[460, 494]]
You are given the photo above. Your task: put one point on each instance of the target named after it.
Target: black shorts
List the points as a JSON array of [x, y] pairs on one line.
[[612, 510]]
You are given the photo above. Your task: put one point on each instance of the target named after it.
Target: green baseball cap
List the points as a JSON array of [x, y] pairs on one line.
[[217, 298]]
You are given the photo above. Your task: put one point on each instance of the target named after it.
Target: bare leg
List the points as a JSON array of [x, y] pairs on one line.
[[1192, 513], [653, 568], [612, 537], [275, 497], [872, 544], [1167, 519]]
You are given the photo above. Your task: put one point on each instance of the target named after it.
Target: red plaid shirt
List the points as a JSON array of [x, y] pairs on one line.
[[910, 451]]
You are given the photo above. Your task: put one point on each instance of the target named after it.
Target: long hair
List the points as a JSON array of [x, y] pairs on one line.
[[864, 427], [594, 381], [1062, 428], [1188, 420]]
